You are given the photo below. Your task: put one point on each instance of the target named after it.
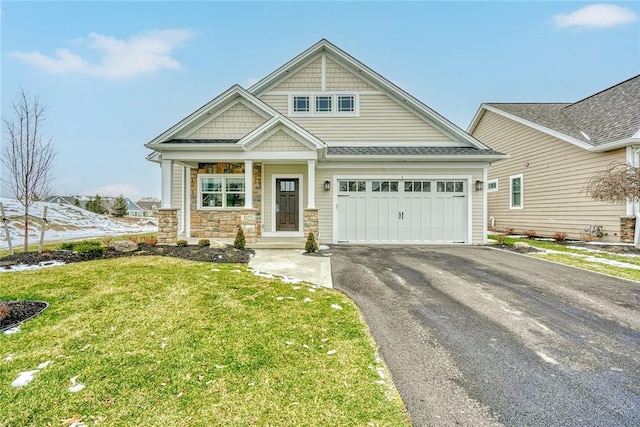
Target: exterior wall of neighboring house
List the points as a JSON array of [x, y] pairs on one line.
[[233, 123], [554, 176]]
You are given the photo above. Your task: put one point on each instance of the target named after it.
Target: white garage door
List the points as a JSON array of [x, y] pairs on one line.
[[402, 211]]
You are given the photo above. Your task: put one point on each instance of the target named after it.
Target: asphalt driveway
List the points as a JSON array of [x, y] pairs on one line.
[[477, 336]]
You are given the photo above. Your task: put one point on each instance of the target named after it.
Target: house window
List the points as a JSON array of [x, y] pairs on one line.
[[346, 103], [222, 191], [323, 104], [301, 104], [492, 185], [516, 184]]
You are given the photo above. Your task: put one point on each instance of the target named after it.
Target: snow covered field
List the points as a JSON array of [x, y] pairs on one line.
[[65, 222]]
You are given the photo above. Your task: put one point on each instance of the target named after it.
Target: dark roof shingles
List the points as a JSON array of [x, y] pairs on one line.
[[407, 151]]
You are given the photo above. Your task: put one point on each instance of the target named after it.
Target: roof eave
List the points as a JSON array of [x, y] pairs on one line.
[[419, 158], [614, 145], [167, 146]]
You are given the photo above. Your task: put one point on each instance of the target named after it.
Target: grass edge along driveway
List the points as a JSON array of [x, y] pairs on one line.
[[624, 266], [161, 341]]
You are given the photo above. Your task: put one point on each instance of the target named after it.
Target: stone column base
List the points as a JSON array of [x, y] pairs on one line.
[[627, 228], [311, 223], [167, 226]]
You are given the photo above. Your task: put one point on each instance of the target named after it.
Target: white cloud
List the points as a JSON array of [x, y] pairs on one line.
[[119, 59], [596, 16], [114, 190]]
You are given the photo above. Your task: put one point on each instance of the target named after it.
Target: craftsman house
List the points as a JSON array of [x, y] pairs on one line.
[[326, 145], [554, 148]]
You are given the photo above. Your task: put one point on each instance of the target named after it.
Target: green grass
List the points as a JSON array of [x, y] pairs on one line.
[[105, 240], [567, 258], [168, 342], [625, 273]]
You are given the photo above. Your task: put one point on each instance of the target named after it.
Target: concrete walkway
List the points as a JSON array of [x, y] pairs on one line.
[[292, 264]]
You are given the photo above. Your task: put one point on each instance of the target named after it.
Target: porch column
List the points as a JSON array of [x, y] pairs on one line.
[[311, 182], [248, 184], [166, 171]]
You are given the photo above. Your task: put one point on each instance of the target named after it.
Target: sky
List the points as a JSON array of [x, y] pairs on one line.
[[116, 74]]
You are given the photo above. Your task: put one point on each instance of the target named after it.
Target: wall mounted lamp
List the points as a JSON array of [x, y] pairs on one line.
[[327, 185], [479, 185]]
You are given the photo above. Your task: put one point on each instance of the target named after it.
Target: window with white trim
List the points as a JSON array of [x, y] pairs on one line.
[[492, 185], [323, 104], [300, 104], [221, 191], [516, 186]]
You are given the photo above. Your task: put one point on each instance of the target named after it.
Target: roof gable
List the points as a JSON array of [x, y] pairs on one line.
[[274, 125], [338, 59]]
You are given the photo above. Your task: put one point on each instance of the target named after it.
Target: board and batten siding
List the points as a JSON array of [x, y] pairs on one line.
[[234, 123], [325, 199], [555, 174]]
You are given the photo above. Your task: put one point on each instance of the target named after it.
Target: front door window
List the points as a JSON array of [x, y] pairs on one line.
[[287, 212]]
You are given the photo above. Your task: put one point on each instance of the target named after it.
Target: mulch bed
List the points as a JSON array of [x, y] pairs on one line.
[[21, 311]]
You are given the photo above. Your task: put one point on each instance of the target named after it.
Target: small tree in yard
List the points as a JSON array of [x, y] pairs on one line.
[[240, 242], [119, 207], [26, 157], [619, 183]]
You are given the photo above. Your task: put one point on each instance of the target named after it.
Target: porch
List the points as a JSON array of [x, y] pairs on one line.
[[260, 243]]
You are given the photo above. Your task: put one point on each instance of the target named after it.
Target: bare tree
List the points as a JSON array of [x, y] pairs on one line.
[[27, 158], [619, 183]]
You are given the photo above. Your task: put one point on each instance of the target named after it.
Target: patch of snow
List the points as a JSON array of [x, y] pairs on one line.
[[9, 358], [546, 358], [24, 378], [25, 267], [381, 373], [75, 387], [263, 275], [305, 346], [286, 279], [289, 342], [331, 352], [44, 364], [71, 223], [595, 259], [295, 288], [236, 271], [215, 269], [78, 424], [280, 298], [336, 307], [311, 290], [307, 300], [12, 331]]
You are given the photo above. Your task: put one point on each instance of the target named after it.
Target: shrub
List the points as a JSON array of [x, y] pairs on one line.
[[240, 242], [107, 240], [530, 234], [74, 246], [181, 243], [4, 311], [560, 236], [311, 245], [500, 238], [150, 240], [203, 243], [66, 246], [587, 236], [89, 249], [508, 231]]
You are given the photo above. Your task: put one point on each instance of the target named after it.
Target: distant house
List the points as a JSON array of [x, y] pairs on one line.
[[63, 200], [322, 145], [134, 209], [554, 148], [149, 208]]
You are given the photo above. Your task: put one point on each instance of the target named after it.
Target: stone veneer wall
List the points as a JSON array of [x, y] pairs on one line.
[[224, 223], [167, 226], [627, 228], [311, 222]]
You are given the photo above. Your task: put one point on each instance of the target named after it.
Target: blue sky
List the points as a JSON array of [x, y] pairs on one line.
[[116, 74]]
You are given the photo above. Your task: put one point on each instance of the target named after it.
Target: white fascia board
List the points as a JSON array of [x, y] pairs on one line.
[[615, 145], [259, 134], [636, 135], [540, 128], [401, 165], [209, 147], [425, 158], [476, 119], [240, 156], [155, 157]]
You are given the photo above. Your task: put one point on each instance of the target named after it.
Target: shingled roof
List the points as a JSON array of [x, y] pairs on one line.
[[607, 116], [409, 151]]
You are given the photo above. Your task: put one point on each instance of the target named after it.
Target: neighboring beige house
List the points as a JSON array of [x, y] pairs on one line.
[[326, 145], [553, 151]]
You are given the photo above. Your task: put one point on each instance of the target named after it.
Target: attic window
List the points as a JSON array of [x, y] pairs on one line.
[[323, 104]]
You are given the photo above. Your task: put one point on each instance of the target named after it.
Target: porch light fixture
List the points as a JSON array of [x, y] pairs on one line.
[[479, 185], [327, 185]]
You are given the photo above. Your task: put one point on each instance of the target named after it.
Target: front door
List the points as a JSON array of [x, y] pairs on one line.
[[287, 204]]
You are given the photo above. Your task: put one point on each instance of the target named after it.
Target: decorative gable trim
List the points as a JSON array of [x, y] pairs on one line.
[[261, 133], [325, 48]]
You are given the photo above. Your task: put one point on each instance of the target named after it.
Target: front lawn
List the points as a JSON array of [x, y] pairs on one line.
[[159, 341]]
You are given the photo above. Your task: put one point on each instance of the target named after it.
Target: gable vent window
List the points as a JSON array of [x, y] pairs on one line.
[[323, 104]]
